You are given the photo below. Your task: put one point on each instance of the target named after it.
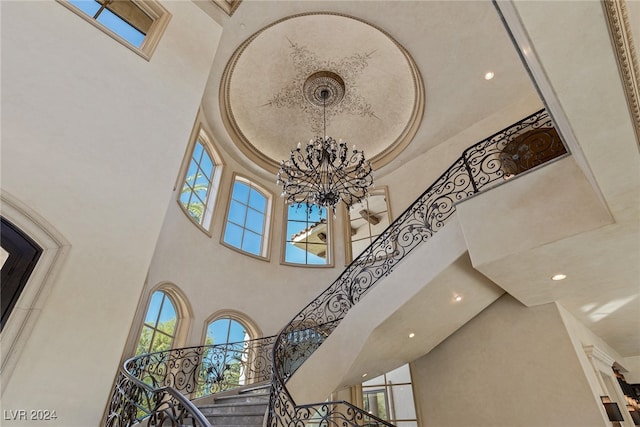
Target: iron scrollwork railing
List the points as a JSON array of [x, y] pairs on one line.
[[511, 151], [157, 386]]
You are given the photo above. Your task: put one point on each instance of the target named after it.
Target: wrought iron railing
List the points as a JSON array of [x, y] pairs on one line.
[[157, 386], [511, 151]]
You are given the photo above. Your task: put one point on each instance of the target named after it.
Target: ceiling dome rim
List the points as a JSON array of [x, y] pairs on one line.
[[271, 165]]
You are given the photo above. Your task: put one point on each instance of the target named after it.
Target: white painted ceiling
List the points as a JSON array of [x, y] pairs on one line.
[[453, 45]]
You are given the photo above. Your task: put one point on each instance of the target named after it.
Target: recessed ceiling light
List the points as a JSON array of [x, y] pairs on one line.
[[489, 75], [559, 276], [458, 298], [411, 335]]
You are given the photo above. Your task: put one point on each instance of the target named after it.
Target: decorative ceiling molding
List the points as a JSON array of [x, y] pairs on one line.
[[618, 22], [345, 69], [267, 88], [228, 6]]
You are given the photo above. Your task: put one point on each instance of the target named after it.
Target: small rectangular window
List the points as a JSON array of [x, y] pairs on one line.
[[138, 24], [307, 235]]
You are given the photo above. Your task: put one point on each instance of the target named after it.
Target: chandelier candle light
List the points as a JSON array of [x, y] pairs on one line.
[[325, 172]]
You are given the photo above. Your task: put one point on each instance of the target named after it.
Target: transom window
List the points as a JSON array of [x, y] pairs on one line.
[[160, 322], [367, 220], [247, 216], [307, 235], [135, 23]]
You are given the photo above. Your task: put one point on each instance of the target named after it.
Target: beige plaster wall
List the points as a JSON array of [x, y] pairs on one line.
[[509, 366], [214, 277], [60, 77]]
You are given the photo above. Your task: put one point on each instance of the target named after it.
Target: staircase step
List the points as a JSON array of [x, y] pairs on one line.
[[234, 409], [242, 398]]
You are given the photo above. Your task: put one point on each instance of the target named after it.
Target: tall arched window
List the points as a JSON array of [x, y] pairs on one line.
[[160, 325], [247, 218], [200, 180], [226, 364], [226, 330]]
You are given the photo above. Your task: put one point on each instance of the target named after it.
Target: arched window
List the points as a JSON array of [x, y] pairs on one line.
[[226, 330], [200, 182], [307, 235], [160, 325], [247, 218], [227, 363]]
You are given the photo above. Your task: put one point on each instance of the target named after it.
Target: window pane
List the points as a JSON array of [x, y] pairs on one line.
[[197, 151], [206, 165], [202, 182], [251, 243], [257, 201], [217, 331], [236, 332], [154, 308], [90, 7], [402, 398], [144, 343], [161, 342], [120, 27], [241, 192], [255, 221], [167, 320], [191, 173], [237, 213], [306, 232], [399, 375], [295, 255], [233, 235]]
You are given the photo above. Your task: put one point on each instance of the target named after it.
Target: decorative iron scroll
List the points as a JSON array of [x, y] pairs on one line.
[[483, 165], [156, 385]]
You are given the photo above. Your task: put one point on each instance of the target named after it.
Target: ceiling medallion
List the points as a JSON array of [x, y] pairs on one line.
[[326, 74], [317, 83]]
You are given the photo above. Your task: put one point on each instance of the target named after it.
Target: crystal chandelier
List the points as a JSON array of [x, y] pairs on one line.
[[325, 172]]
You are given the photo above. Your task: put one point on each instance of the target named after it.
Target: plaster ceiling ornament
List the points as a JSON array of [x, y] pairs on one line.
[[270, 88], [314, 74]]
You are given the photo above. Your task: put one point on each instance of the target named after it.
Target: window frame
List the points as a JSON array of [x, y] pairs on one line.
[[378, 191], [201, 134], [265, 249], [285, 223], [184, 315], [165, 296], [152, 8], [386, 386]]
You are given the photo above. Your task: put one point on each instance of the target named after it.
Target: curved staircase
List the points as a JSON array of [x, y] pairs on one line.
[[156, 388]]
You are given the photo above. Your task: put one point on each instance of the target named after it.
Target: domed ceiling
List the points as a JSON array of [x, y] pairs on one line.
[[270, 93]]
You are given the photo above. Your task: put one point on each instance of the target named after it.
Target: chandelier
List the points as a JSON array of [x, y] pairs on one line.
[[325, 172]]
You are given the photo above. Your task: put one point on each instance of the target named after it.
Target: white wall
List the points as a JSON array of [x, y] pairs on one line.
[[103, 184], [509, 366]]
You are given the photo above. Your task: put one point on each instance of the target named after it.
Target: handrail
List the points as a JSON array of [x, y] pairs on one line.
[[156, 385], [513, 150]]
